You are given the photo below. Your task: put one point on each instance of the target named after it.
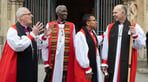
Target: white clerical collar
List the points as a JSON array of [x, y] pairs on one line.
[[24, 26], [61, 22]]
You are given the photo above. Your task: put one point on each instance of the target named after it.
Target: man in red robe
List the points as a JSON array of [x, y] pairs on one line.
[[58, 49], [115, 51], [19, 57]]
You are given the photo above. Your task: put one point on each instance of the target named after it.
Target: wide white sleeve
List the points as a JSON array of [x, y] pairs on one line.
[[139, 41], [104, 51], [45, 53], [44, 46], [45, 56], [16, 42], [100, 39], [41, 43], [81, 50]]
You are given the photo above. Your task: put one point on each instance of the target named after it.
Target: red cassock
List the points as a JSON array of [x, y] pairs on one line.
[[79, 73], [8, 65]]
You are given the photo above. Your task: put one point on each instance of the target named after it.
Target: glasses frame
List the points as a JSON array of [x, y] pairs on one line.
[[27, 14]]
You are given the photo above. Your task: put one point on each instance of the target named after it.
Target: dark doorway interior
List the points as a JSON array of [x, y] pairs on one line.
[[76, 9], [44, 11]]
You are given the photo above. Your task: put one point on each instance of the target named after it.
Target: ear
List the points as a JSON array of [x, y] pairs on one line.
[[20, 17], [87, 23], [123, 12]]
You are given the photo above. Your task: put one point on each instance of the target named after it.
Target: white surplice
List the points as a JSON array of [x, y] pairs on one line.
[[138, 43], [18, 43], [59, 57], [81, 51]]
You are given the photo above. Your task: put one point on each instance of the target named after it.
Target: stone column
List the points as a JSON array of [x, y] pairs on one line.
[[3, 17], [140, 15], [7, 18], [141, 20], [12, 8], [145, 15], [4, 22], [146, 25]]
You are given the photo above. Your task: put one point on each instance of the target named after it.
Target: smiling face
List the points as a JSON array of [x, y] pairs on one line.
[[119, 13], [62, 14], [92, 23], [26, 18]]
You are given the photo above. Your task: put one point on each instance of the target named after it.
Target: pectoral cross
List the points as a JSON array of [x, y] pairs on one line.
[[62, 32]]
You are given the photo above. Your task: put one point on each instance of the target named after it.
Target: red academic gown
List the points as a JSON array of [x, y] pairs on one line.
[[8, 63], [80, 73]]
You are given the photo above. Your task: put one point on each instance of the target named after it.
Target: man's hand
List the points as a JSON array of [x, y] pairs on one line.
[[132, 30], [47, 69], [37, 28], [89, 75], [48, 30], [104, 70]]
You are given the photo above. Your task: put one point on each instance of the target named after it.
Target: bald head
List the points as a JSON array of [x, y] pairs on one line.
[[119, 13], [122, 8]]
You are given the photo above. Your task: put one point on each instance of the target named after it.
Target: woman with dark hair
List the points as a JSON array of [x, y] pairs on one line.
[[87, 63]]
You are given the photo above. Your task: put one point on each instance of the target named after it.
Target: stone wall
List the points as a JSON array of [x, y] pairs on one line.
[[142, 20], [3, 22], [145, 4], [7, 18]]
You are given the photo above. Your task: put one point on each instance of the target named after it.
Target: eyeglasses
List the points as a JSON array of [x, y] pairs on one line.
[[92, 20], [27, 14]]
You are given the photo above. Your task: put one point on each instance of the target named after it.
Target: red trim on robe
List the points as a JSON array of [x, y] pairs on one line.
[[46, 62], [135, 37], [30, 37], [118, 78], [88, 68], [43, 38], [104, 62], [102, 35], [109, 28]]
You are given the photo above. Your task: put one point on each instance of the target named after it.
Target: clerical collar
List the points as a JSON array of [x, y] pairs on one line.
[[61, 22], [24, 26]]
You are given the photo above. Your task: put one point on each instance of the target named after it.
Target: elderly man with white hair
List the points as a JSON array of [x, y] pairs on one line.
[[58, 52], [19, 57]]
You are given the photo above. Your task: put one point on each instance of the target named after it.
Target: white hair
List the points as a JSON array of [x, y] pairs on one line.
[[59, 6], [20, 12]]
